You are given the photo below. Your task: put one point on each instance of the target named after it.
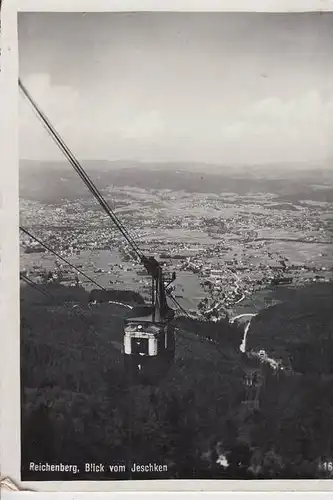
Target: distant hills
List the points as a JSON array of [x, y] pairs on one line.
[[271, 170], [49, 182]]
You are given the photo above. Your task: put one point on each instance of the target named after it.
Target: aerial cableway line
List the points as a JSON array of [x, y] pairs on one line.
[[150, 263], [54, 252], [148, 341], [80, 171], [50, 295], [34, 285]]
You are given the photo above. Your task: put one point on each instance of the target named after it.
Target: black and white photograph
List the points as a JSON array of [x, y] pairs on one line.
[[176, 245]]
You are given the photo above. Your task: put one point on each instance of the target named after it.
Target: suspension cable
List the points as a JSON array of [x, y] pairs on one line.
[[88, 182], [49, 295], [81, 172], [34, 285], [62, 258], [178, 305]]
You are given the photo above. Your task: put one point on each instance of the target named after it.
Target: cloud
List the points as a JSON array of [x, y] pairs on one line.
[[298, 128], [273, 128], [34, 141], [146, 126]]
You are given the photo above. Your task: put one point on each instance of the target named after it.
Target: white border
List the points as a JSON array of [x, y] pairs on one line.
[[9, 239], [174, 5]]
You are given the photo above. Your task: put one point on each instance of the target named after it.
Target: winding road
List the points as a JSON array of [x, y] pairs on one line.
[[261, 354], [242, 347]]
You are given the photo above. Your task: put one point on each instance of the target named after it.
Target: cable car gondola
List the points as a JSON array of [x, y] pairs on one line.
[[149, 341], [149, 349]]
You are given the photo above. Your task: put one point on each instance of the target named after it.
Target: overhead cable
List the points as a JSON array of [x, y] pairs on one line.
[[81, 172], [88, 182], [49, 249], [47, 294]]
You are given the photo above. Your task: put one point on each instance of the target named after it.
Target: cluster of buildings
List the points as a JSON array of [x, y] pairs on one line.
[[235, 256]]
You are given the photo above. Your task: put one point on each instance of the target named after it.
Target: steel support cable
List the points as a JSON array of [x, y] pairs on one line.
[[80, 171], [77, 167], [62, 258], [178, 305], [46, 293], [204, 339], [35, 286]]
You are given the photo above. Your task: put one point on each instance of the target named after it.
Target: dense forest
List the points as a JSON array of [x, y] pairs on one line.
[[200, 421]]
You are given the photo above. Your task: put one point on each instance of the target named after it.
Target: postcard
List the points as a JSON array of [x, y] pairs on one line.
[[170, 251]]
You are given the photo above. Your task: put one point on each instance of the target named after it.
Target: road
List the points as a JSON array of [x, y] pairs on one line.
[[261, 354], [242, 347]]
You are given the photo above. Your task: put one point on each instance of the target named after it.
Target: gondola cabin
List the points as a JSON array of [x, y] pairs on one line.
[[149, 349]]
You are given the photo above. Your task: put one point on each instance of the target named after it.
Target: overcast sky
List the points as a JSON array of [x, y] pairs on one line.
[[221, 88]]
